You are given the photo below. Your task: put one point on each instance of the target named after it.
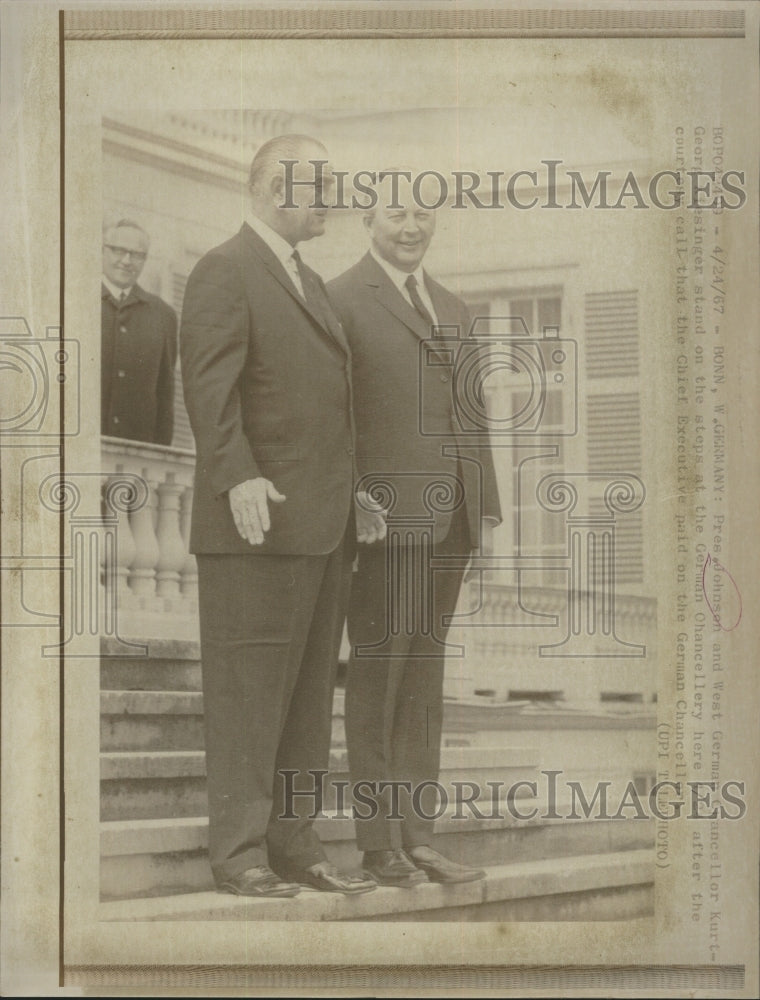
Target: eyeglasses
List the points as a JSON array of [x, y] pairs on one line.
[[138, 256]]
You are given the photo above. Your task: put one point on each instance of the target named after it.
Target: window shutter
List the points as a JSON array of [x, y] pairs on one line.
[[612, 334], [614, 445], [614, 417]]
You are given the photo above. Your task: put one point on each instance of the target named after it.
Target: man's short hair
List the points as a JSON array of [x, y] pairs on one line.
[[266, 162], [126, 224]]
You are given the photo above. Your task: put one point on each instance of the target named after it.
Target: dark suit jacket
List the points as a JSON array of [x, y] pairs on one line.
[[268, 389], [403, 406], [138, 355]]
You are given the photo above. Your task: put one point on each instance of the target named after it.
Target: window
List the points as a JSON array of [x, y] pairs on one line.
[[527, 315], [539, 312]]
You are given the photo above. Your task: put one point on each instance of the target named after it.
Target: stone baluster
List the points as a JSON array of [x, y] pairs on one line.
[[93, 519], [152, 571], [124, 493], [119, 552], [172, 554], [189, 575], [142, 577]]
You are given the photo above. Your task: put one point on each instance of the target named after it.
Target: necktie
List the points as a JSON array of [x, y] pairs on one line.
[[411, 286], [312, 292], [122, 297], [294, 270]]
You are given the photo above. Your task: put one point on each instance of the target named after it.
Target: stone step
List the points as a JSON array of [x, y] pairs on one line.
[[151, 720], [151, 702], [149, 674], [159, 701], [614, 886], [135, 675], [157, 784], [169, 666], [477, 761], [161, 857], [160, 719]]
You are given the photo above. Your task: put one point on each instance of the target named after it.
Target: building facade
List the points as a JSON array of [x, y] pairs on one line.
[[542, 285]]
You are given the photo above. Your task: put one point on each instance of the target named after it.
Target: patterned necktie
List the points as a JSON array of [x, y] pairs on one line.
[[411, 286]]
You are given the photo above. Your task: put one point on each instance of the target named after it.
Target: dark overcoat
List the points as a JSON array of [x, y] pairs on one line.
[[138, 356]]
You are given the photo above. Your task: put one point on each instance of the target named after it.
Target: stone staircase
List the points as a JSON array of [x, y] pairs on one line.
[[153, 825]]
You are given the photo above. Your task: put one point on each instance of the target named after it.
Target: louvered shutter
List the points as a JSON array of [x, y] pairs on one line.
[[614, 416], [612, 335]]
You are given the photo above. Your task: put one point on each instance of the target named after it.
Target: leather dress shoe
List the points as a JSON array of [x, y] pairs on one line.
[[328, 878], [440, 869], [259, 881], [393, 868]]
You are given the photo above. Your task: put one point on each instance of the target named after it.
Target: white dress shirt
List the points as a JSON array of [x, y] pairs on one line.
[[280, 247], [114, 289], [399, 279]]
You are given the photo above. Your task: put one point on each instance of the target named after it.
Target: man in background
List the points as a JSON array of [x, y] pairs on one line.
[[394, 689], [138, 343]]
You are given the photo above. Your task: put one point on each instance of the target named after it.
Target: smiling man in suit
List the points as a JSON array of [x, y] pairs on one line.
[[138, 346], [267, 380], [407, 442]]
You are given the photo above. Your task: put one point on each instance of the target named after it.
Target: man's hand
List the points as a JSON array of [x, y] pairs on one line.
[[486, 537], [370, 519], [250, 508], [485, 550]]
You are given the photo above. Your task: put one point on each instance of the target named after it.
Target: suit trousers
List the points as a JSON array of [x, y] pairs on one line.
[[270, 637], [394, 701]]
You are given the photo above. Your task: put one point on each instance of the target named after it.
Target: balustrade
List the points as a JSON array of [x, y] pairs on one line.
[[153, 575], [132, 575]]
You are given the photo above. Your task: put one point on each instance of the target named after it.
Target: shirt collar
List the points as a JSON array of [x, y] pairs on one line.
[[280, 247], [398, 277], [115, 290]]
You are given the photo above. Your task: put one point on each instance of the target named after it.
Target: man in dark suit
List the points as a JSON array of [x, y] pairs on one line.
[[267, 381], [407, 443], [138, 343]]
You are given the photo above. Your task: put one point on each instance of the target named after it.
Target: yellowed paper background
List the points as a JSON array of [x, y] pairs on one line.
[[642, 100]]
